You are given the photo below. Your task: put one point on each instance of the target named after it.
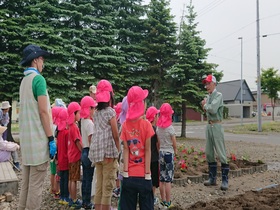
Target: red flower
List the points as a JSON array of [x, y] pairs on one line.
[[184, 166], [233, 157]]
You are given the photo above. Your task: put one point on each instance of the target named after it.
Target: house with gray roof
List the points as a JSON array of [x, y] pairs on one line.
[[231, 91]]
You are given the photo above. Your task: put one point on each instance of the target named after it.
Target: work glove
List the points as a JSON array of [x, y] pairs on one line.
[[125, 174], [148, 177], [52, 147]]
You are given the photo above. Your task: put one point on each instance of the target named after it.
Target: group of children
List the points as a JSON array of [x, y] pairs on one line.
[[141, 162]]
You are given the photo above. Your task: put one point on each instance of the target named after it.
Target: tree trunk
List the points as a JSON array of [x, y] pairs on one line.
[[184, 119], [272, 104]]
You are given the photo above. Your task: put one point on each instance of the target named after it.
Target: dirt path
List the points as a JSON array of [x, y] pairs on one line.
[[186, 196]]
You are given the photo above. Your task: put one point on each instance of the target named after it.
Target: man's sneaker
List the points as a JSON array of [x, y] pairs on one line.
[[169, 205], [88, 206], [155, 201], [116, 192]]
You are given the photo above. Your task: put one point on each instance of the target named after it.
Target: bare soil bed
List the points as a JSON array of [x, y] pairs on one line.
[[262, 199], [196, 196]]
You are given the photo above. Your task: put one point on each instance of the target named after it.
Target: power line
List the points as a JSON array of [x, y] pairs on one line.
[[210, 8], [243, 28], [270, 16], [230, 59]]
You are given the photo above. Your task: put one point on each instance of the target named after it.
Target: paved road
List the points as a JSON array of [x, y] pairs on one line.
[[197, 130]]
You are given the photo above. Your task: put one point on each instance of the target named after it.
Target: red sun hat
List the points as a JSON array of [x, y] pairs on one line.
[[86, 103], [72, 108], [136, 105], [165, 116], [151, 113], [62, 119], [118, 109], [55, 112], [103, 90], [209, 78]]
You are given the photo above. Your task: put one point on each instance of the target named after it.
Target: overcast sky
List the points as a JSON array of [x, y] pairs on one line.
[[221, 22]]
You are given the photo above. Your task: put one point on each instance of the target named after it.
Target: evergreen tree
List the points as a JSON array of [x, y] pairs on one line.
[[185, 77], [160, 47], [130, 23]]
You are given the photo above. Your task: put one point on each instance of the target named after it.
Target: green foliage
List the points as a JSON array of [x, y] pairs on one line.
[[122, 41], [130, 36], [270, 84], [160, 47], [267, 127], [185, 77], [225, 112]]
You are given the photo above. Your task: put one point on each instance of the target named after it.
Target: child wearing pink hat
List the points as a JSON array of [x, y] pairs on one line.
[[136, 136], [104, 147], [87, 111], [53, 163], [167, 141], [152, 116], [62, 148], [74, 152], [121, 119]]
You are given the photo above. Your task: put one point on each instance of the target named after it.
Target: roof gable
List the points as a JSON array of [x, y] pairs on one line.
[[231, 90]]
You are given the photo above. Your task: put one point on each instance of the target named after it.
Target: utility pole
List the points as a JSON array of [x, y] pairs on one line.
[[258, 72], [241, 82]]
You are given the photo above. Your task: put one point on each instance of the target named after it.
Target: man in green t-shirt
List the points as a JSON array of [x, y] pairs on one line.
[[35, 126], [213, 107]]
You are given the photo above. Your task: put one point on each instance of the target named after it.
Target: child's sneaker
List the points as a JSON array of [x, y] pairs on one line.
[[155, 201], [169, 205], [64, 201], [88, 206], [116, 192], [61, 200], [77, 204], [162, 205], [56, 196]]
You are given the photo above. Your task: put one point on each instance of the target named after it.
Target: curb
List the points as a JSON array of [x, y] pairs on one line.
[[235, 173]]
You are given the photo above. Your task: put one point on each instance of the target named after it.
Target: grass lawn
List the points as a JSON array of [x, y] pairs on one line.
[[267, 127], [15, 128]]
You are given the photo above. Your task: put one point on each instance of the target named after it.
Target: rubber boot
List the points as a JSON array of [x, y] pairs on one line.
[[212, 174], [225, 170]]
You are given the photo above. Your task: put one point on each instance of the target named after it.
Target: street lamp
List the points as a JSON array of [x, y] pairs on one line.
[[266, 35], [241, 82]]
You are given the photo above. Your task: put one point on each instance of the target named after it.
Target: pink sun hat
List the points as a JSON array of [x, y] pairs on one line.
[[86, 103], [124, 110], [118, 109], [165, 116], [55, 112], [151, 113], [72, 108], [136, 105], [103, 90], [62, 119]]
